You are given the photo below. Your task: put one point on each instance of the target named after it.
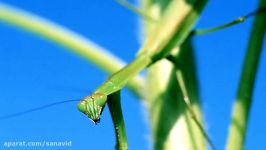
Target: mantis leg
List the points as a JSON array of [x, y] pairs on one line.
[[117, 117], [184, 91]]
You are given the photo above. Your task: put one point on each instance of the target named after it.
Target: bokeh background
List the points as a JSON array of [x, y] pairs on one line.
[[35, 72]]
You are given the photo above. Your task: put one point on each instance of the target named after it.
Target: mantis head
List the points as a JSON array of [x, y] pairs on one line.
[[92, 106]]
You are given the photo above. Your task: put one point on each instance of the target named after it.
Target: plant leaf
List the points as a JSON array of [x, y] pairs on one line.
[[237, 133]]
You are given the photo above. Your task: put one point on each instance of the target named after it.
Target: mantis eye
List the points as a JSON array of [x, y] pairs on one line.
[[82, 106], [99, 98]]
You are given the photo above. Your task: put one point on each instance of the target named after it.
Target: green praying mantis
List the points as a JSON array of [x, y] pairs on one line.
[[158, 46], [170, 32]]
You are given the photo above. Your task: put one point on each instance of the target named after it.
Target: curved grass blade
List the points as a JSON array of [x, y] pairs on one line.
[[68, 39]]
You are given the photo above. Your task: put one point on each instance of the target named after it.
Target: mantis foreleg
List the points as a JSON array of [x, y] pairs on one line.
[[117, 117]]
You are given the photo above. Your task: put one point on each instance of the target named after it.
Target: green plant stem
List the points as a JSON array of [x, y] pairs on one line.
[[68, 39], [243, 101], [118, 121], [173, 28], [172, 127]]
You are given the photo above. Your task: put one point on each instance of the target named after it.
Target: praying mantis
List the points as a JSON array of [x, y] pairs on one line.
[[157, 47]]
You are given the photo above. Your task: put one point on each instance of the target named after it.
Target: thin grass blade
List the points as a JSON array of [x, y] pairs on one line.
[[241, 110]]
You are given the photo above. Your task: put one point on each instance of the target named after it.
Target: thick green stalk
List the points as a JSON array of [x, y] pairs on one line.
[[172, 126], [243, 102], [173, 28], [117, 117], [68, 39]]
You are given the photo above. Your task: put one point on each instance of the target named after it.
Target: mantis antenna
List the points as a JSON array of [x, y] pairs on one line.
[[36, 109], [115, 110]]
